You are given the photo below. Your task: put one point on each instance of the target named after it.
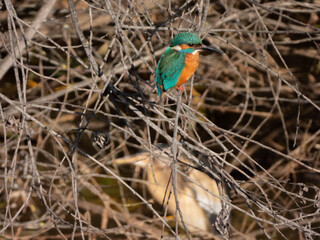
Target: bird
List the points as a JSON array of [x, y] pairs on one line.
[[179, 61], [199, 205]]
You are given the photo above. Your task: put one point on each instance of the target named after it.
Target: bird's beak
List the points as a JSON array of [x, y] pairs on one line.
[[209, 49]]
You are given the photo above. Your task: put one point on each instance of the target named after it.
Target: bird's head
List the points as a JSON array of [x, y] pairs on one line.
[[188, 40]]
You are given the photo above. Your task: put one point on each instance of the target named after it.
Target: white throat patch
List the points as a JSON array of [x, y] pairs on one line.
[[195, 51]]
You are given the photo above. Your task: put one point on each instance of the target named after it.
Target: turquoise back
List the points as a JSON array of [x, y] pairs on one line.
[[168, 69]]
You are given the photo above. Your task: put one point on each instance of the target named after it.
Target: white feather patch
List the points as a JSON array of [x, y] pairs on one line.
[[177, 48], [195, 51]]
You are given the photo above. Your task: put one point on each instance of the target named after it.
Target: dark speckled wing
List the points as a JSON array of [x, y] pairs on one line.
[[168, 69]]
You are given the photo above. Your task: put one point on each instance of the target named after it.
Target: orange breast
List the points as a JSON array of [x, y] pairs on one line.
[[191, 63]]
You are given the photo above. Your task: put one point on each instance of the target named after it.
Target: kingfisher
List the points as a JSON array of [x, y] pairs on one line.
[[179, 62]]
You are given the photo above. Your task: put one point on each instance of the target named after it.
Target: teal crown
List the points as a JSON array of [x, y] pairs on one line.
[[185, 38]]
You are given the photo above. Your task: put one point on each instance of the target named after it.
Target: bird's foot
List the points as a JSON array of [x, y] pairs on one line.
[[179, 88]]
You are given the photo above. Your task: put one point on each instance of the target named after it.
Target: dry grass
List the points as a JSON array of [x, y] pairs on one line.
[[68, 81]]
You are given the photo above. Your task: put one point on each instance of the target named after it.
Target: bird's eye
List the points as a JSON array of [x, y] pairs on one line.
[[190, 44]]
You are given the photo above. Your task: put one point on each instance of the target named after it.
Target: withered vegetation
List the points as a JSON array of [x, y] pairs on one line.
[[77, 94]]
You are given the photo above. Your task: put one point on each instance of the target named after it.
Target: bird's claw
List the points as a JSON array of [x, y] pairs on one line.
[[179, 88]]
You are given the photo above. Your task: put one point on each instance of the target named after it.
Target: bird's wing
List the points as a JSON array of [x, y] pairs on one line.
[[168, 69]]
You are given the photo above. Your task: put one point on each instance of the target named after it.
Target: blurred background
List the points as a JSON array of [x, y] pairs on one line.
[[79, 110]]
